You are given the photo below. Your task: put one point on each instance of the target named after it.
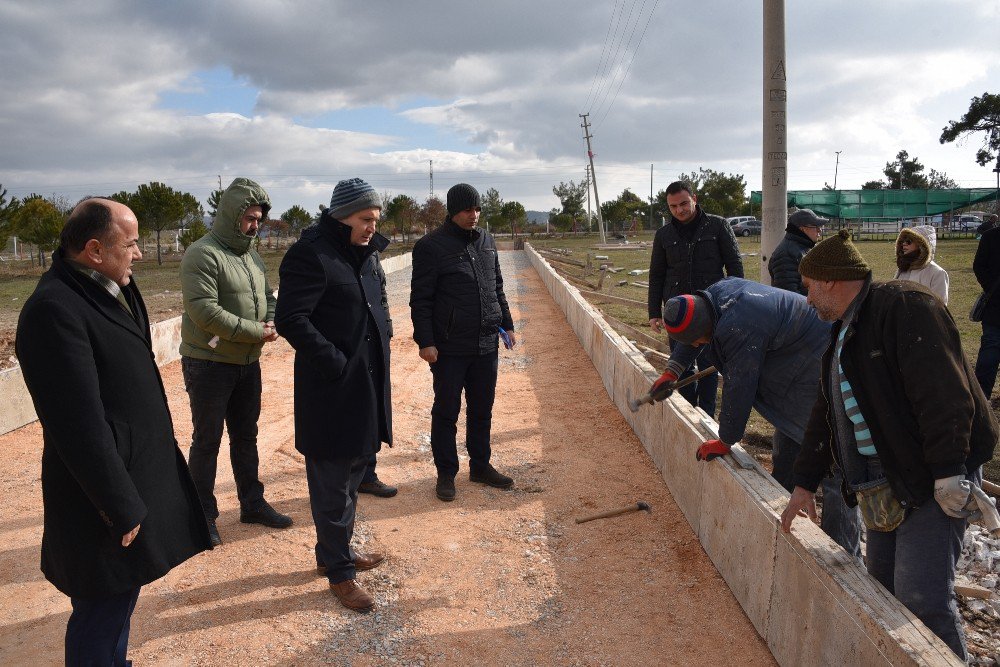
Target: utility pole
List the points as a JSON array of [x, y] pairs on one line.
[[431, 196], [593, 174], [586, 169], [836, 168], [774, 180], [651, 195], [220, 181]]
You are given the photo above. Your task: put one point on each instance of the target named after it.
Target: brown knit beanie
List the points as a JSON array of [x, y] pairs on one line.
[[834, 258]]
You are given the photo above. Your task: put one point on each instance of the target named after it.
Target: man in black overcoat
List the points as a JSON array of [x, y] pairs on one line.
[[120, 507], [330, 310]]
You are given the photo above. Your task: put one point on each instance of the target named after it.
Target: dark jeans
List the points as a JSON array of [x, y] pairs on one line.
[[701, 394], [369, 475], [477, 375], [840, 522], [916, 563], [98, 628], [224, 393], [989, 358], [333, 497]]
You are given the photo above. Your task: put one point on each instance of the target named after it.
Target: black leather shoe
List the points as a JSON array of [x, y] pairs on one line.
[[213, 534], [378, 488], [445, 489], [266, 516], [491, 477]]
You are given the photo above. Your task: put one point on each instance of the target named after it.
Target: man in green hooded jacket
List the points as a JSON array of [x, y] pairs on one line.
[[228, 316]]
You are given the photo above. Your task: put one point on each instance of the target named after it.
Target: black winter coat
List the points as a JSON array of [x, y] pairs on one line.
[[330, 310], [986, 266], [678, 267], [783, 265], [109, 460], [928, 416], [457, 301]]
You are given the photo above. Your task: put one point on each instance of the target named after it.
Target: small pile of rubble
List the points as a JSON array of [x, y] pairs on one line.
[[977, 575]]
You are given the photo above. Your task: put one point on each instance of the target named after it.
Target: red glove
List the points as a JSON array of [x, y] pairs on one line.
[[663, 388], [711, 449]]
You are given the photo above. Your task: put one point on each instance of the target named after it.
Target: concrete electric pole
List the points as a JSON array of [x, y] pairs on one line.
[[774, 179], [593, 174]]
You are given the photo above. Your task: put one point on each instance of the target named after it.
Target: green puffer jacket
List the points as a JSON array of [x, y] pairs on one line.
[[226, 293]]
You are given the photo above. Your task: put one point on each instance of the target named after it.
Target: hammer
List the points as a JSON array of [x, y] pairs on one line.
[[635, 507], [647, 398]]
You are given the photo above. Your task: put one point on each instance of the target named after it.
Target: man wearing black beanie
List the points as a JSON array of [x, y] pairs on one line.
[[459, 313]]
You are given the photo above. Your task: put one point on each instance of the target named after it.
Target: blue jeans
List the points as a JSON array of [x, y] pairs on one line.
[[477, 376], [840, 522], [97, 630], [701, 394], [333, 497], [916, 563], [224, 394], [988, 360]]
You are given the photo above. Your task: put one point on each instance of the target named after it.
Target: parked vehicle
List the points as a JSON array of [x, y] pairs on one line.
[[965, 223], [736, 219], [747, 227]]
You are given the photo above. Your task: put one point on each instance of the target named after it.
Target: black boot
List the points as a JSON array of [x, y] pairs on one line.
[[488, 475]]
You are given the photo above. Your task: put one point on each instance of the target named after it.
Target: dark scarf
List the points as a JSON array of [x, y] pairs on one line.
[[905, 260], [795, 230]]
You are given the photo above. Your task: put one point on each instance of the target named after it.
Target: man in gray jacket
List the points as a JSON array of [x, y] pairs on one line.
[[228, 316]]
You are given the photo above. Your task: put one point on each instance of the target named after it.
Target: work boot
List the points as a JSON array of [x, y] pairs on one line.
[[377, 487], [488, 475], [362, 562], [213, 533], [352, 595], [266, 515], [445, 488]]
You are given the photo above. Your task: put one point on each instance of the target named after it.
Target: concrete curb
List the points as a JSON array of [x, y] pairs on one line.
[[805, 596], [18, 410]]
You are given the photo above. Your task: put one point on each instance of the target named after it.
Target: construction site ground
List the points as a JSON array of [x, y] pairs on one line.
[[493, 578]]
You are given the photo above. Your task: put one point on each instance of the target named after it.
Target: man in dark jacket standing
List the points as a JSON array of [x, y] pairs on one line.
[[767, 344], [459, 310], [986, 266], [690, 253], [902, 415], [120, 507], [228, 317], [330, 310], [803, 231]]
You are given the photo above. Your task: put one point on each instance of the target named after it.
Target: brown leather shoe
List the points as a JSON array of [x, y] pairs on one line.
[[352, 595], [362, 562]]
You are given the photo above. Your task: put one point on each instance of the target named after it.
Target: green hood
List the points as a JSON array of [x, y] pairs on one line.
[[238, 197]]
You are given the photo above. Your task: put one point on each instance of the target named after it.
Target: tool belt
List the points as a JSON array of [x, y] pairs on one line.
[[880, 509]]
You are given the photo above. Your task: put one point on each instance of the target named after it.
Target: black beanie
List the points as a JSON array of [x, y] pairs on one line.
[[462, 197]]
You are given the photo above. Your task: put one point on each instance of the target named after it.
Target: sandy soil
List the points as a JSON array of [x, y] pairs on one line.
[[496, 577]]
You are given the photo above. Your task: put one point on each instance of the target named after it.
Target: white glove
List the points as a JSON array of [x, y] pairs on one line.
[[952, 494]]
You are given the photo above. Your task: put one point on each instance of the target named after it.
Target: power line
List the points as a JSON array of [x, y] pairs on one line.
[[603, 50], [631, 60]]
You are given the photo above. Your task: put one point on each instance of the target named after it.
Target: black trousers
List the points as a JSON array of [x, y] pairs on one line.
[[333, 497], [477, 375], [97, 630], [224, 394]]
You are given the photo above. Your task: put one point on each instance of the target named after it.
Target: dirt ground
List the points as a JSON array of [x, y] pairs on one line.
[[496, 577]]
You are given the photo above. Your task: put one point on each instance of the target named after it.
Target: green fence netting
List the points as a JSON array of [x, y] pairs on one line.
[[854, 204]]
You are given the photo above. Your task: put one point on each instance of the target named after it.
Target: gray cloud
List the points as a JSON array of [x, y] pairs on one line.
[[507, 80]]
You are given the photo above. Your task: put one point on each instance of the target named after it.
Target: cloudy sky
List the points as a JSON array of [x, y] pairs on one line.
[[103, 95]]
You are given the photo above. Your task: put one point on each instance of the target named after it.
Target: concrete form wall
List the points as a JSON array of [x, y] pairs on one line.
[[805, 596], [16, 408]]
